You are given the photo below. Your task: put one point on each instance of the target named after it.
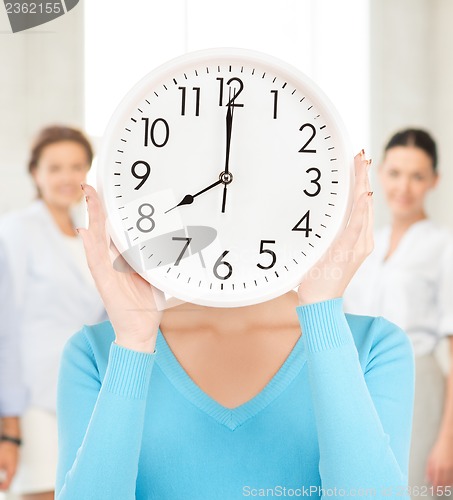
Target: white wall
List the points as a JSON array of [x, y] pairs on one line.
[[41, 81], [411, 77], [411, 42], [441, 71], [320, 38]]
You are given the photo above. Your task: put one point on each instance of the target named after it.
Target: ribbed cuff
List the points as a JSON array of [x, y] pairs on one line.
[[324, 325], [128, 372]]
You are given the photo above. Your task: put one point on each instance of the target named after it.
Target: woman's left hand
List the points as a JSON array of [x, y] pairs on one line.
[[439, 468], [330, 276]]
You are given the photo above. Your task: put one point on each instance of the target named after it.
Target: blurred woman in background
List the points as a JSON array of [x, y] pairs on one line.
[[47, 293], [408, 279]]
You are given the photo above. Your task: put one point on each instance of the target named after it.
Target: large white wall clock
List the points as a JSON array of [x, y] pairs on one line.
[[225, 174]]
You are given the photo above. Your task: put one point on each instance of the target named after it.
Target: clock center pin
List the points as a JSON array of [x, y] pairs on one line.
[[226, 177]]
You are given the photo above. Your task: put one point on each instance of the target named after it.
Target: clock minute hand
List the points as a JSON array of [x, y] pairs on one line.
[[229, 128], [188, 198]]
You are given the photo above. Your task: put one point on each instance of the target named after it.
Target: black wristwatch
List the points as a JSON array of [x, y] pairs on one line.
[[11, 439]]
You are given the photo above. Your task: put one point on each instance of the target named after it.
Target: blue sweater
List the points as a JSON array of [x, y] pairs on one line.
[[335, 420]]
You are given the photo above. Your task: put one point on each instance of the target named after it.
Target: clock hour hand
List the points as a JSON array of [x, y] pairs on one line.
[[225, 176], [188, 198]]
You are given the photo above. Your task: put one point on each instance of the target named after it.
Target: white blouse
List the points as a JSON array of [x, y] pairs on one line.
[[75, 246], [46, 295], [412, 288]]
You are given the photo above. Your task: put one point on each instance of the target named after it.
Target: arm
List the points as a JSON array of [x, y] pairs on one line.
[[363, 419], [100, 425], [13, 392], [446, 428], [100, 422], [439, 468], [9, 451], [445, 298]]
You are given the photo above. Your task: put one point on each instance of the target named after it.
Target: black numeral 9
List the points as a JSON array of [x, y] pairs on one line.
[[138, 176]]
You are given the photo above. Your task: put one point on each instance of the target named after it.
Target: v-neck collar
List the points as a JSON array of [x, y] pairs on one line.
[[229, 417]]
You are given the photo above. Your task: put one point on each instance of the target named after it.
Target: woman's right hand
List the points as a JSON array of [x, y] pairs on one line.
[[9, 457], [128, 298]]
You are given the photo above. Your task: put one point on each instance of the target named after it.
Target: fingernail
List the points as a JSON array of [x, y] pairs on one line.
[[82, 185], [362, 153], [77, 229], [370, 193], [86, 198]]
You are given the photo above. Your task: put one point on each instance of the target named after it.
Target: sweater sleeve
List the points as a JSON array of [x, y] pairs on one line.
[[363, 417], [100, 425]]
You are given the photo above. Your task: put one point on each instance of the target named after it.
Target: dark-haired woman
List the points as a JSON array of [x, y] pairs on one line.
[[46, 293], [408, 279]]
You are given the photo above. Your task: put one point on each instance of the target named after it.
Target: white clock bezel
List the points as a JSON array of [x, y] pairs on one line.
[[139, 92]]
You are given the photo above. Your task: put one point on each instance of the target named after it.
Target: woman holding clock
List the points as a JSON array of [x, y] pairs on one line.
[[409, 280], [202, 402]]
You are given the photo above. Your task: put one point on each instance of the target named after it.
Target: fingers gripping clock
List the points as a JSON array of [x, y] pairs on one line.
[[225, 175]]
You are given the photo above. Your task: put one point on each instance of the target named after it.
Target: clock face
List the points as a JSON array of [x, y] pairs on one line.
[[225, 175]]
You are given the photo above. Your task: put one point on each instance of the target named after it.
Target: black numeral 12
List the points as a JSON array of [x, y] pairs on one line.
[[235, 93]]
